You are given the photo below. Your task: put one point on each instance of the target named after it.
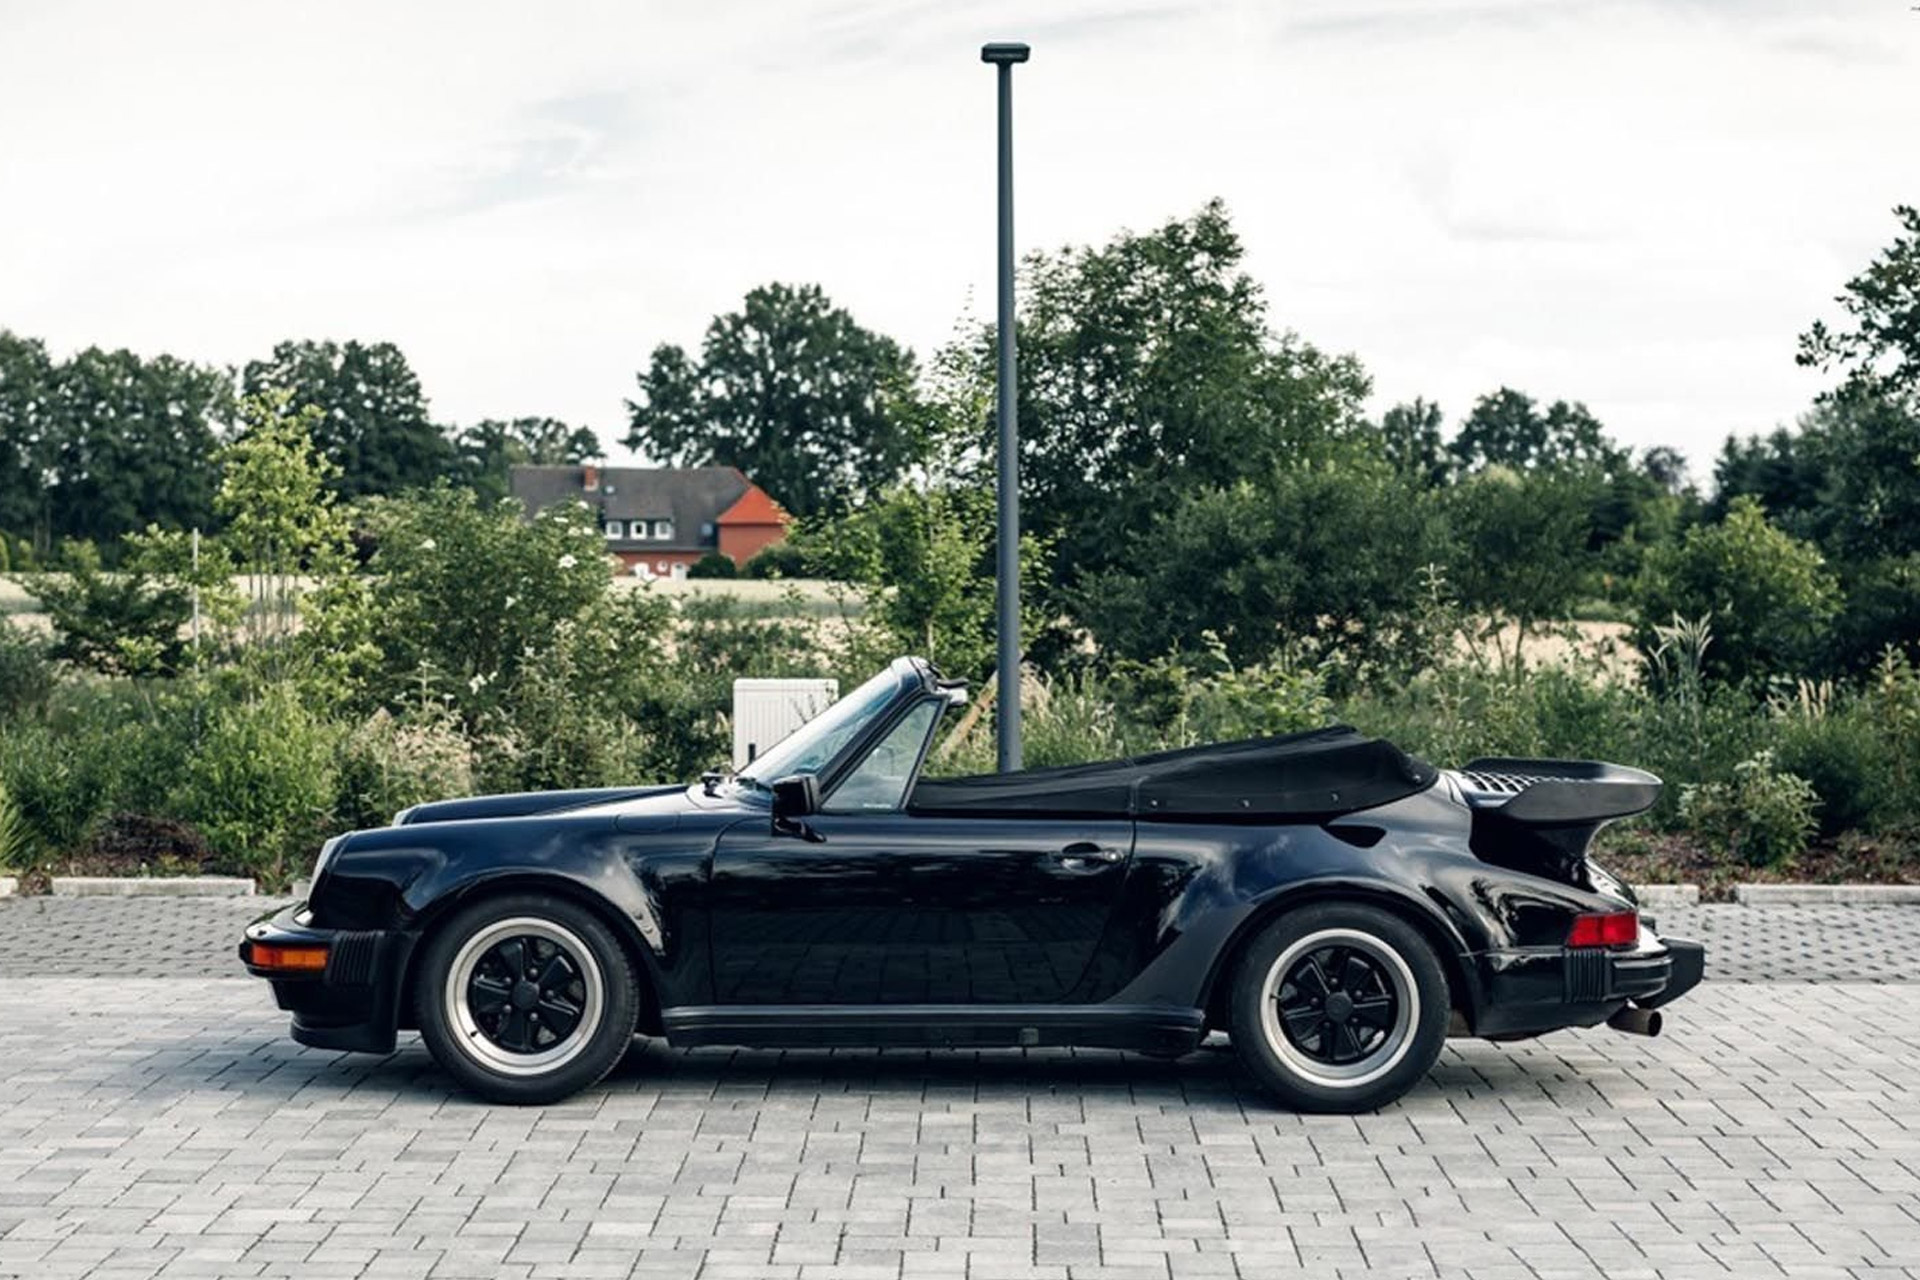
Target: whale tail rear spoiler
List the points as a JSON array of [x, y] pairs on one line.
[[1540, 816]]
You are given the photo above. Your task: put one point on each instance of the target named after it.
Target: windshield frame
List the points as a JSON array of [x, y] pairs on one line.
[[908, 680]]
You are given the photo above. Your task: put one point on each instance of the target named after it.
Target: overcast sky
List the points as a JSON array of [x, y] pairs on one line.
[[1638, 205]]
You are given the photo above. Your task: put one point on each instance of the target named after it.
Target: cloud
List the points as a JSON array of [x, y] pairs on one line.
[[1633, 204]]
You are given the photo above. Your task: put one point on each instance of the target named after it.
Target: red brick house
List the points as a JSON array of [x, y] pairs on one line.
[[659, 520]]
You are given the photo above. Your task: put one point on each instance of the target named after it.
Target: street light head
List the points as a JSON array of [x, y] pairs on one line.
[[1004, 52]]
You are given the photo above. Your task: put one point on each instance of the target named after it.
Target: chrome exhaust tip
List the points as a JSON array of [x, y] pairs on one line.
[[1639, 1022]]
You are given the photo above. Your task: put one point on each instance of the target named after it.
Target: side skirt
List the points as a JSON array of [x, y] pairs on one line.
[[1162, 1030]]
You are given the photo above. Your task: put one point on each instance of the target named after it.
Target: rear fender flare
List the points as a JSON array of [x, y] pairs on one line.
[[1440, 933]]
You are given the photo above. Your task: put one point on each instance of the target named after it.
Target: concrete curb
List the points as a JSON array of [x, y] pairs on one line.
[[8, 885], [1809, 895], [1668, 895], [152, 887]]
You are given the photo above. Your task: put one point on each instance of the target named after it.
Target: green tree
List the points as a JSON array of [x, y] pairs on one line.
[[926, 560], [28, 439], [1521, 548], [373, 424], [1411, 437], [285, 534], [1878, 352], [1148, 372], [1770, 596], [132, 440], [1323, 555], [1506, 428], [790, 389], [491, 448]]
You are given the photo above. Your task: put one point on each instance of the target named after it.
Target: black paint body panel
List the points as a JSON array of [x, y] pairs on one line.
[[922, 928]]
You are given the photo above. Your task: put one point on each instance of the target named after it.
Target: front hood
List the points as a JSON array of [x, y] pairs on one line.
[[526, 804]]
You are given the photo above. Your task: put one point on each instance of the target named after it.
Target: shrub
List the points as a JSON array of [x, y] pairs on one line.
[[780, 560], [26, 674], [61, 779], [261, 784], [129, 623], [466, 598], [1844, 755], [713, 565], [1769, 595], [387, 764], [1764, 816]]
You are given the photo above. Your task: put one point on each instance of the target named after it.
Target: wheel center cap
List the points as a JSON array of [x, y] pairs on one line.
[[1339, 1006], [525, 995]]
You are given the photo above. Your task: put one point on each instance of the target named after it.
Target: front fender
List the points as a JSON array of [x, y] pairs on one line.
[[645, 877]]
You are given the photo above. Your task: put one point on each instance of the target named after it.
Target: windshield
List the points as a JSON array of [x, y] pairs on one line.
[[809, 748]]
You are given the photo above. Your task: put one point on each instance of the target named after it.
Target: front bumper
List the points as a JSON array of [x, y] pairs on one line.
[[354, 1002], [1534, 989]]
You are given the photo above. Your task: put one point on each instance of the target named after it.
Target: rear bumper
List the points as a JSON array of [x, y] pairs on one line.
[[1534, 989], [354, 1002]]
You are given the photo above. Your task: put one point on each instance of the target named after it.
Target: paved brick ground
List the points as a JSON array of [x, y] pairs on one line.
[[166, 1127]]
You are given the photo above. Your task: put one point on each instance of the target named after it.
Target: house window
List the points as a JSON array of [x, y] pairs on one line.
[[679, 572], [615, 530], [663, 530]]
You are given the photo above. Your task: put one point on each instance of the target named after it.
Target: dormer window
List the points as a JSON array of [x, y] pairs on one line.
[[663, 530], [615, 529]]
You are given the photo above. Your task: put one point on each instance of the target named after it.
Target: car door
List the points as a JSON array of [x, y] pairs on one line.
[[866, 903]]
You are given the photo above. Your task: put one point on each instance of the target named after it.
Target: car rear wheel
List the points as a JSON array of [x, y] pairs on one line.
[[526, 998], [1339, 1007]]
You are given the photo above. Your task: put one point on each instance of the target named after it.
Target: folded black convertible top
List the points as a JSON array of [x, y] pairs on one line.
[[1314, 775]]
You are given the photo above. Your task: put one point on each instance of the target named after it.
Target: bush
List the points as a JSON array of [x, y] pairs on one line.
[[387, 764], [713, 565], [130, 623], [1763, 817], [61, 779], [26, 673], [1769, 595], [1845, 757], [780, 560], [261, 785]]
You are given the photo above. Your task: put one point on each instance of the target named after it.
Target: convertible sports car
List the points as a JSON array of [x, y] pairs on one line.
[[1337, 907]]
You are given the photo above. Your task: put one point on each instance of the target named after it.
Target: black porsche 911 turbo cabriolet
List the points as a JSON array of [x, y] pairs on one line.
[[1337, 907]]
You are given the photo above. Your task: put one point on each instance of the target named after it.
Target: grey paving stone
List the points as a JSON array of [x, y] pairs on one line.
[[155, 1121]]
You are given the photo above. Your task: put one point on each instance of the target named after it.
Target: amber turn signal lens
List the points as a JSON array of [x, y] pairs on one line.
[[1614, 929], [289, 959]]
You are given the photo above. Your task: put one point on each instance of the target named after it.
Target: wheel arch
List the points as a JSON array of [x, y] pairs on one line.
[[1463, 993], [617, 921]]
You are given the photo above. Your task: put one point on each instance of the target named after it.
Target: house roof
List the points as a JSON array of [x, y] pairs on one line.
[[754, 507], [694, 498]]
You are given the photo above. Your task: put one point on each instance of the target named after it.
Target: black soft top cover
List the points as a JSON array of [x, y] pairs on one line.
[[1303, 776]]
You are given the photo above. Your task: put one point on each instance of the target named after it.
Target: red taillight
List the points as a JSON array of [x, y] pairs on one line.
[[1613, 929]]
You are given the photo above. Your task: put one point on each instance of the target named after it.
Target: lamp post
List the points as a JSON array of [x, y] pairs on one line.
[[1004, 55]]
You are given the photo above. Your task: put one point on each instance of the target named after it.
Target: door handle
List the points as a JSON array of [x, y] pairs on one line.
[[1084, 855]]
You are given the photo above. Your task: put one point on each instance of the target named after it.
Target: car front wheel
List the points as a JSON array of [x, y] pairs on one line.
[[1339, 1007], [526, 998]]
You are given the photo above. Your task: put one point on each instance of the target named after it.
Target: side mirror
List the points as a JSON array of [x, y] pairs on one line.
[[795, 797]]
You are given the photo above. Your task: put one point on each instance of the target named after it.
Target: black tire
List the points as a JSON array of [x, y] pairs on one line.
[[1332, 1050], [495, 1044]]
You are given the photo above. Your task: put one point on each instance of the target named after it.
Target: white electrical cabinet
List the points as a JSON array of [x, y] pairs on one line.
[[765, 711]]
